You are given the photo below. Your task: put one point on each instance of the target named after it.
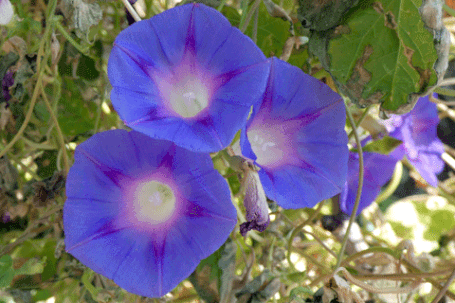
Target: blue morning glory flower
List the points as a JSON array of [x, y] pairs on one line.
[[144, 212], [188, 76], [296, 136]]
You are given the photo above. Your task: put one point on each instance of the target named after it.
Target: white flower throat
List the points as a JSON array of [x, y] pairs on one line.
[[265, 144], [189, 98], [154, 203], [261, 143]]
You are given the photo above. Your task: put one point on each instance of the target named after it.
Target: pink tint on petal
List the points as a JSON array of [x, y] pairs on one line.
[[145, 217], [274, 142]]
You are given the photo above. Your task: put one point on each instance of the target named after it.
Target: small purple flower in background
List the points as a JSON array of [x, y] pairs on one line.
[[417, 130], [422, 147], [6, 217], [6, 12], [8, 81], [144, 212], [186, 75], [297, 137]]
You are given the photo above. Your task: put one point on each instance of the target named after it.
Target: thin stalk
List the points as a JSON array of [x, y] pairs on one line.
[[35, 145], [70, 39], [24, 167], [298, 229], [403, 276], [444, 288], [253, 9], [222, 4], [47, 32], [364, 115], [444, 91], [449, 10], [359, 189], [244, 7], [58, 129], [131, 10], [254, 36]]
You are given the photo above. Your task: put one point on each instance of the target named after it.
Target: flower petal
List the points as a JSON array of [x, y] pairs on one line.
[[418, 131], [227, 49], [6, 12], [114, 218], [297, 137], [378, 169]]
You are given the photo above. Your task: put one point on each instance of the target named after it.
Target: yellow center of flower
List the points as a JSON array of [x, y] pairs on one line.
[[154, 202]]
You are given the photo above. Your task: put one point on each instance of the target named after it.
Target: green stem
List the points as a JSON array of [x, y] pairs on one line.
[[378, 249], [449, 10], [59, 130], [70, 39], [244, 13], [35, 145], [253, 9], [359, 189], [445, 91], [222, 4]]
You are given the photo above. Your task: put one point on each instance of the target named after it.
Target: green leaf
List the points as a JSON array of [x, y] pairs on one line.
[[86, 68], [75, 115], [42, 295], [6, 271], [382, 53], [31, 267], [383, 146], [51, 262], [47, 164]]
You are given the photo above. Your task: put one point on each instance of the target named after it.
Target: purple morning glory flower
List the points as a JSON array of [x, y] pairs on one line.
[[144, 212], [378, 169], [297, 137], [6, 12], [417, 130], [186, 75], [7, 82]]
